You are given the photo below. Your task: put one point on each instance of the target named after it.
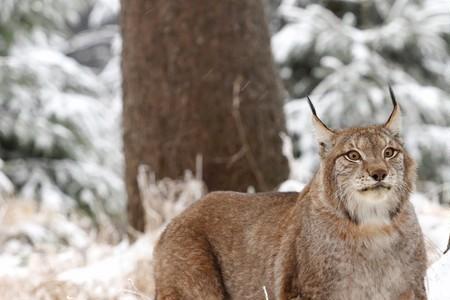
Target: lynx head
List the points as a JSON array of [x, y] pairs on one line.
[[366, 173]]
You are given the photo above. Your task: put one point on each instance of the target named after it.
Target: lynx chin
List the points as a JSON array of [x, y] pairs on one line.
[[351, 234]]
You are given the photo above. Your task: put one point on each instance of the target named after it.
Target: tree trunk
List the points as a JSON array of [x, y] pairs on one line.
[[198, 78]]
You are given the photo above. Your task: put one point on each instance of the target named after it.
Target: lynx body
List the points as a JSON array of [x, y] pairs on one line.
[[351, 234]]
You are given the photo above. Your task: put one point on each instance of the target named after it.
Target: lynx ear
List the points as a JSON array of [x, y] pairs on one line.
[[394, 123], [324, 135]]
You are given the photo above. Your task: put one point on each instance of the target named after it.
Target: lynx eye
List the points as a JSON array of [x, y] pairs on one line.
[[390, 152], [353, 156]]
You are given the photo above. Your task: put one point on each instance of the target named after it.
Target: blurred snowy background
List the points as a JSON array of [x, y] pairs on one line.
[[62, 203]]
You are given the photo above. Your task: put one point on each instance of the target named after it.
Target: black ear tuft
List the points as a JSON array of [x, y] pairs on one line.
[[394, 121], [391, 92], [311, 106]]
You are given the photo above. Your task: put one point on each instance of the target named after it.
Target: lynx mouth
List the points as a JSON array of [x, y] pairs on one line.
[[377, 187]]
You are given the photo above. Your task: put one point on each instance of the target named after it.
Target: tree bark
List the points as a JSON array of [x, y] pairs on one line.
[[198, 78]]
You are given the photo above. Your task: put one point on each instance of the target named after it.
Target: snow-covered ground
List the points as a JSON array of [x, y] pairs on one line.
[[46, 255], [435, 222], [438, 278]]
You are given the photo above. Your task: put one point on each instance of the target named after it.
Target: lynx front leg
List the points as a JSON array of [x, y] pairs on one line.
[[419, 289], [186, 269]]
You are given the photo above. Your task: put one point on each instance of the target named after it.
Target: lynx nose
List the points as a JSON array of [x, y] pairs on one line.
[[378, 174]]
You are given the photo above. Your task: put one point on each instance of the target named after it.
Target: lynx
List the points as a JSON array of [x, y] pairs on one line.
[[351, 234]]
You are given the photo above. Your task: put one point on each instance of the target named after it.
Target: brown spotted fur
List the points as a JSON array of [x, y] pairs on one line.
[[308, 245]]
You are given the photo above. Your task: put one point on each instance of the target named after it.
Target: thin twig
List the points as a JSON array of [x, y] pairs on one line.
[[146, 179], [266, 295], [135, 234], [199, 167], [243, 136], [235, 157]]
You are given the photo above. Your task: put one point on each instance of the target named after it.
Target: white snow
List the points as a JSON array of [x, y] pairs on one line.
[[102, 11], [438, 279], [111, 269]]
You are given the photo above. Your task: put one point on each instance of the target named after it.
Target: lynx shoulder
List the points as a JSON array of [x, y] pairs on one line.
[[350, 234]]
